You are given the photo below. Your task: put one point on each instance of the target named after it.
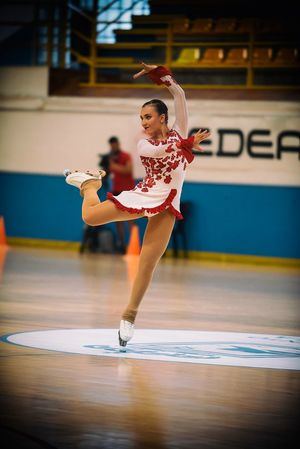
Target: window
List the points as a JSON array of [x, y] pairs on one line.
[[118, 16]]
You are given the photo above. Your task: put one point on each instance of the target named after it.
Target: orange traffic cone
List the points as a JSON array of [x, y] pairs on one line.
[[2, 233], [134, 247]]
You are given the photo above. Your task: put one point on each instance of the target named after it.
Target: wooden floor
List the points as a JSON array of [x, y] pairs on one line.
[[62, 400]]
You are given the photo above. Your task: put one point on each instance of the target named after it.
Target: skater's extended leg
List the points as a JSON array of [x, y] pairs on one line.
[[155, 242], [95, 213]]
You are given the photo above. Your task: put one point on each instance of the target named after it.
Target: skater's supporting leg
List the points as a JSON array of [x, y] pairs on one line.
[[95, 213], [155, 242]]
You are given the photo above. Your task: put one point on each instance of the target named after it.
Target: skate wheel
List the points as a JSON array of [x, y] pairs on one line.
[[122, 343], [102, 173], [66, 172]]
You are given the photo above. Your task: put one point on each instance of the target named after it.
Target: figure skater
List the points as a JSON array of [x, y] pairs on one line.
[[165, 155]]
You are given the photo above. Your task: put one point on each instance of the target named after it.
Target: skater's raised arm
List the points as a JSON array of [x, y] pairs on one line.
[[161, 75]]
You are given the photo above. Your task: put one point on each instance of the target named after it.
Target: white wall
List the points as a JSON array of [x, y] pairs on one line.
[[24, 81], [49, 134]]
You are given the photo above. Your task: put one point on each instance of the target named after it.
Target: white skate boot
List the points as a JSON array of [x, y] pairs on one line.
[[125, 334], [78, 178]]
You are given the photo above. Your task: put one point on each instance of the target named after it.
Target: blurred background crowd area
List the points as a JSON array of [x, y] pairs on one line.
[[210, 43]]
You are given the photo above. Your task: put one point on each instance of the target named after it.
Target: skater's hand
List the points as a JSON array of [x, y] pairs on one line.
[[198, 137], [146, 68]]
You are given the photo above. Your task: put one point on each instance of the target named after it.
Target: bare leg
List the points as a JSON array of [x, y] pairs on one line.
[[155, 242], [95, 213]]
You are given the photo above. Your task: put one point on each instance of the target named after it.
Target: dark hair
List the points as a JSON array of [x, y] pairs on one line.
[[160, 106], [113, 139]]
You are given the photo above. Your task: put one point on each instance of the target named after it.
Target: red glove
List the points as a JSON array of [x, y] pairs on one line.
[[156, 74], [186, 145]]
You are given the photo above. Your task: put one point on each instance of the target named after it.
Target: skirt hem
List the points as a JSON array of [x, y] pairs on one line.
[[166, 204]]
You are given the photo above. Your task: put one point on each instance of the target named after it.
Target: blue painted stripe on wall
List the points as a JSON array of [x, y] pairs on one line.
[[236, 219], [245, 219]]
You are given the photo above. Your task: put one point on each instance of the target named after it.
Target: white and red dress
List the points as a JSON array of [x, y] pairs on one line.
[[165, 161]]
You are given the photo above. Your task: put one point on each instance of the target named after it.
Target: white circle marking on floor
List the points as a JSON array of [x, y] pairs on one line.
[[213, 348]]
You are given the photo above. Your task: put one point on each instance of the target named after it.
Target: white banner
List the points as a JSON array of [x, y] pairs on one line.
[[252, 142]]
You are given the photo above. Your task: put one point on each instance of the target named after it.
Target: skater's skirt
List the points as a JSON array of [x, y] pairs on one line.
[[151, 202]]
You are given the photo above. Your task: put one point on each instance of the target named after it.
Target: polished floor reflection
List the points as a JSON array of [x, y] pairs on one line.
[[69, 401]]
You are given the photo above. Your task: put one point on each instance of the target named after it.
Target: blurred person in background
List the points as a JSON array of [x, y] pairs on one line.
[[118, 164]]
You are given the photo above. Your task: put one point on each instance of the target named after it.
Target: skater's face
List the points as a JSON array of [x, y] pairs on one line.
[[151, 120]]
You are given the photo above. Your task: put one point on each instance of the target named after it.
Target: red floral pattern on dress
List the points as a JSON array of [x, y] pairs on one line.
[[186, 146], [172, 136], [160, 169]]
